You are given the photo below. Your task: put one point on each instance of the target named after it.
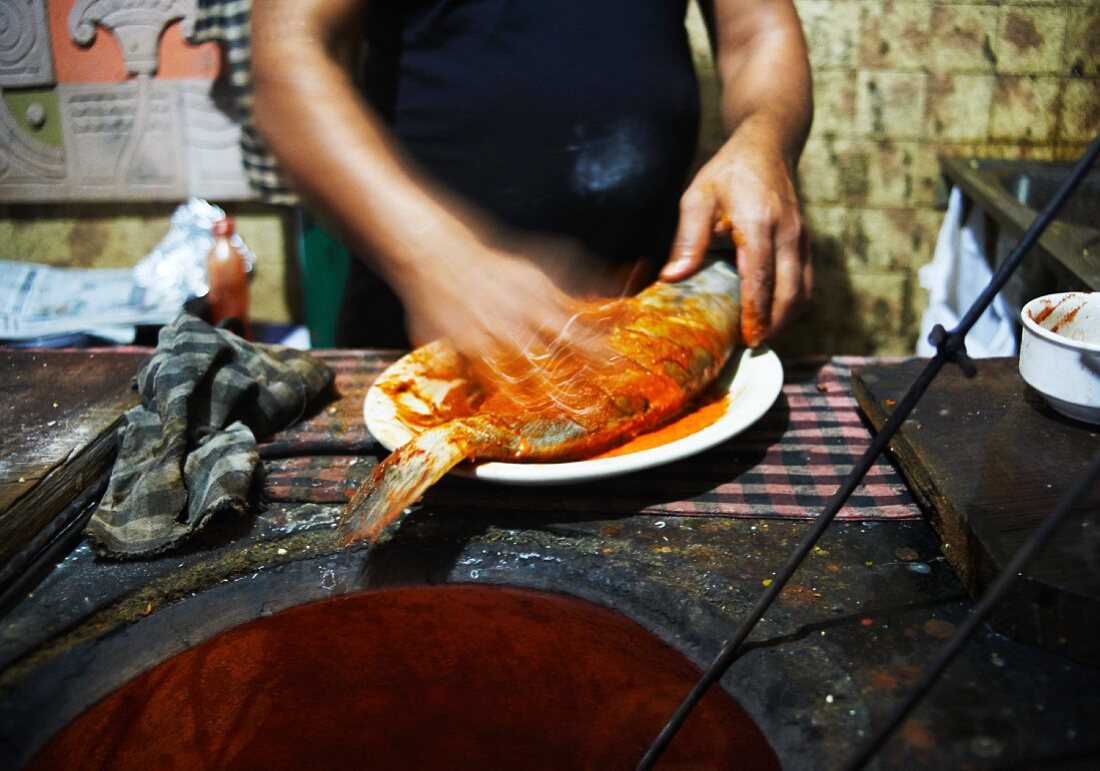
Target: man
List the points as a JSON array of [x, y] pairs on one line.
[[505, 144]]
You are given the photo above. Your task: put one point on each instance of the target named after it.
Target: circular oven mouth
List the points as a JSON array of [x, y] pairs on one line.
[[457, 676]]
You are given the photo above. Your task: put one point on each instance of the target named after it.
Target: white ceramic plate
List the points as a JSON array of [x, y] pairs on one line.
[[752, 380]]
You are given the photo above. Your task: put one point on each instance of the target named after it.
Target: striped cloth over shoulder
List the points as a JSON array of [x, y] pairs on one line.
[[188, 451], [227, 22]]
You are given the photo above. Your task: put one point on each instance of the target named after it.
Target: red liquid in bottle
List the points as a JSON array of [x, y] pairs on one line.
[[228, 274]]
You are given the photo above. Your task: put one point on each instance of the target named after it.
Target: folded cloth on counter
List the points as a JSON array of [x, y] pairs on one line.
[[189, 451]]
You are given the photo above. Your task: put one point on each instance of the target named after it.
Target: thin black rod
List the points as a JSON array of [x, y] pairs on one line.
[[947, 653], [950, 346], [729, 651]]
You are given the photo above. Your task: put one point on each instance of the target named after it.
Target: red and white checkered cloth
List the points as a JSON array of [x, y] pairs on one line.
[[787, 465]]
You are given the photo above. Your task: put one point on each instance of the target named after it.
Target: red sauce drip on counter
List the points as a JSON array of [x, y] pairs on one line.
[[456, 677]]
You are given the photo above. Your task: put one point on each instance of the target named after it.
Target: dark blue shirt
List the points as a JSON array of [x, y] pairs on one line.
[[572, 117]]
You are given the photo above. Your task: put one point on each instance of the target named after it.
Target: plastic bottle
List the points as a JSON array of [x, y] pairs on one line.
[[229, 295]]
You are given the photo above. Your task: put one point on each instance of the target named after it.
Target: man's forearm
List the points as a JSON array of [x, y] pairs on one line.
[[747, 188], [765, 76], [335, 148]]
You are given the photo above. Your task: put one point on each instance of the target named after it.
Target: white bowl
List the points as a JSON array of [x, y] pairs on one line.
[[1060, 352]]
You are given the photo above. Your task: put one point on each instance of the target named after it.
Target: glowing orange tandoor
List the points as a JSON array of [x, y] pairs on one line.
[[649, 356]]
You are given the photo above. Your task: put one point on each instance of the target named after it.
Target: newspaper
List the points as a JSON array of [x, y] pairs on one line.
[[40, 301]]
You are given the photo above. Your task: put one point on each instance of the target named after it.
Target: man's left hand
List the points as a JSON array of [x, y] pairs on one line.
[[746, 191]]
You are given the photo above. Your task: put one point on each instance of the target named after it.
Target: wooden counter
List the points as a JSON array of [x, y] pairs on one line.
[[990, 459], [57, 420]]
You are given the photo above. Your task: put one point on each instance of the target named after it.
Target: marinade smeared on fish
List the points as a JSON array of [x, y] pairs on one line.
[[664, 347]]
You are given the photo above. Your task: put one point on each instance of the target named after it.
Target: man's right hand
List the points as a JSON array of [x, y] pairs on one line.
[[457, 277], [486, 303], [504, 300]]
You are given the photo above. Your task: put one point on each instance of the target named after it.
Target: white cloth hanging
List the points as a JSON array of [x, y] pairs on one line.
[[959, 271]]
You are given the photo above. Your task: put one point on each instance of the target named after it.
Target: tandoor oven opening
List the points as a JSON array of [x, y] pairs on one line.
[[415, 678]]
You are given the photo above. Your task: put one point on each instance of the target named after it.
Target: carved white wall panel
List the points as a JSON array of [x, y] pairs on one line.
[[124, 141], [24, 44], [212, 136], [141, 140], [29, 169], [137, 24]]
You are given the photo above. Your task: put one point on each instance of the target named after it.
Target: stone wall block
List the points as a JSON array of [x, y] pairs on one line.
[[854, 312], [895, 35], [890, 104], [853, 166], [25, 58], [962, 38], [1030, 40], [886, 240], [817, 172], [834, 102], [884, 307], [124, 141], [899, 174], [1079, 113], [832, 31], [958, 107], [1025, 108], [1081, 54], [826, 223]]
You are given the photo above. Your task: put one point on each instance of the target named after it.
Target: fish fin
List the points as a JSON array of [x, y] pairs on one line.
[[378, 506]]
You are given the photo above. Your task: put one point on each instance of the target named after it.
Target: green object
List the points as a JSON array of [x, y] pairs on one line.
[[36, 112], [325, 262]]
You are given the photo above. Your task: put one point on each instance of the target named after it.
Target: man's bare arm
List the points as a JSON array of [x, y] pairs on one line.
[[436, 253], [748, 185]]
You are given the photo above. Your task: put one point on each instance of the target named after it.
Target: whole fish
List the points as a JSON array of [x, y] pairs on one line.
[[665, 346]]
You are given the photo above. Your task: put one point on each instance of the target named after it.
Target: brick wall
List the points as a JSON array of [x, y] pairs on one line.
[[897, 83]]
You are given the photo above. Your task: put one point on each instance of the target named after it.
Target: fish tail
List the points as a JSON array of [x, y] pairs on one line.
[[378, 506]]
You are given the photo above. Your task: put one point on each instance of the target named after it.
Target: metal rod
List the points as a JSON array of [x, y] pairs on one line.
[[999, 589], [730, 649], [949, 347]]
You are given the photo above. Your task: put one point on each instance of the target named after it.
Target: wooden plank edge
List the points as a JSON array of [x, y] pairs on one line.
[[52, 544], [960, 546], [34, 512], [1024, 614]]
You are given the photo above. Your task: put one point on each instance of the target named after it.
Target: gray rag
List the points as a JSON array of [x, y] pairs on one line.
[[189, 451]]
